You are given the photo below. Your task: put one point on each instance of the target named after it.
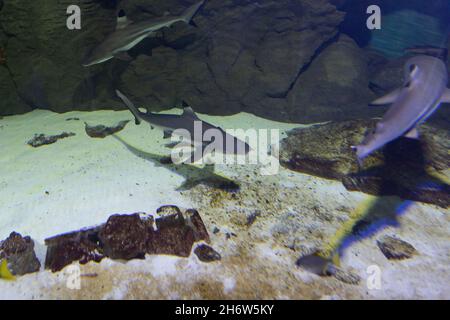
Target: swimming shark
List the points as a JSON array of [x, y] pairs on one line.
[[129, 34], [188, 121], [423, 91]]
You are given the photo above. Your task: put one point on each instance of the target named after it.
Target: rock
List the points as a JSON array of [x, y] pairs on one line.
[[335, 86], [101, 131], [128, 237], [19, 252], [125, 236], [82, 246], [404, 167], [347, 277], [44, 56], [41, 139], [395, 248], [207, 254], [12, 103], [173, 237], [249, 62]]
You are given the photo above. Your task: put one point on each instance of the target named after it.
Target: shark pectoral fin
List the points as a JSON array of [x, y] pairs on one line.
[[446, 96], [123, 56], [387, 99], [412, 134]]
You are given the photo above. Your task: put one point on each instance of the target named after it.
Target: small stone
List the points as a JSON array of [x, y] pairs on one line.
[[207, 254], [346, 276], [395, 248], [40, 140]]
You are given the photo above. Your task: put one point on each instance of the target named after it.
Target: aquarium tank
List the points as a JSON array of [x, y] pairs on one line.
[[224, 150]]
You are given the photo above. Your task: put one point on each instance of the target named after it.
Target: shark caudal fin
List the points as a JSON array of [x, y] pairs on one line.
[[191, 12], [130, 106]]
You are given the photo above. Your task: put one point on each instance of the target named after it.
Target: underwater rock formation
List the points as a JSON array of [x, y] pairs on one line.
[[395, 248], [44, 56], [334, 86], [40, 140], [407, 168], [19, 252], [128, 237], [244, 56]]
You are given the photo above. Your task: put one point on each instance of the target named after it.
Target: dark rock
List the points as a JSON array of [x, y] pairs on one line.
[[44, 56], [196, 223], [207, 254], [168, 210], [42, 139], [396, 249], [128, 237], [335, 86], [404, 167], [250, 62], [82, 246], [346, 276], [12, 103], [101, 131], [173, 237], [125, 236], [19, 252]]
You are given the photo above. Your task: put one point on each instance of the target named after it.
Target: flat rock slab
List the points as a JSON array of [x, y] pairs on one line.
[[402, 168], [102, 131], [19, 253], [395, 248], [40, 140], [129, 237]]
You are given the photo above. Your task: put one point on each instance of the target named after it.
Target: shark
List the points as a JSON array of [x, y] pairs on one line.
[[424, 90], [128, 34], [191, 124]]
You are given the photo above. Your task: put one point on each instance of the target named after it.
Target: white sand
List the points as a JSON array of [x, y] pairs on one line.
[[89, 179]]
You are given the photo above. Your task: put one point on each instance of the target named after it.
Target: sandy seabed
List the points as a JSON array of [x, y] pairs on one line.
[[80, 181]]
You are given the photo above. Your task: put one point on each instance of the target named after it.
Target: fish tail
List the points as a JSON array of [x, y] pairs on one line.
[[131, 106], [191, 11]]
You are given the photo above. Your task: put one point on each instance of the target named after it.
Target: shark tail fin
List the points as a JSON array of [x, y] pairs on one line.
[[130, 106], [191, 12]]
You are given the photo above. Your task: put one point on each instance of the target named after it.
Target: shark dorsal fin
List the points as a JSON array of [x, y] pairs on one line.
[[189, 112], [122, 20]]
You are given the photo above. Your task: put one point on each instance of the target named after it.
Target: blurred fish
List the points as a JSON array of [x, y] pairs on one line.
[[129, 34], [424, 89], [4, 271]]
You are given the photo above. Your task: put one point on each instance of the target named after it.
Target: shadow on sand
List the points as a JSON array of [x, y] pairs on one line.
[[403, 173], [192, 174]]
